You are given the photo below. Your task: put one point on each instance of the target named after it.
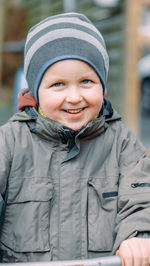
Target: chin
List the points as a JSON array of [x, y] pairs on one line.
[[76, 128]]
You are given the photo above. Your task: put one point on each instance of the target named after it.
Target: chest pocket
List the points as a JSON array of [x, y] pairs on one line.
[[27, 215], [102, 210]]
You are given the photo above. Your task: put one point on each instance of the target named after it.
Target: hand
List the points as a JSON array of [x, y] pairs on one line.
[[135, 252]]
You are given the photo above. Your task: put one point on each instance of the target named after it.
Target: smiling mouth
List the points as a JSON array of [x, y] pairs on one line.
[[74, 111]]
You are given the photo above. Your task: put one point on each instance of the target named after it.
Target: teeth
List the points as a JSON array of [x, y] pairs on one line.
[[74, 111]]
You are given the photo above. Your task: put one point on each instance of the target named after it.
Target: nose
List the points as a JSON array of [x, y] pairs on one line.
[[74, 95]]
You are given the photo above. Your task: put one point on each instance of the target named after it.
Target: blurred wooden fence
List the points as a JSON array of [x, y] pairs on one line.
[[2, 15]]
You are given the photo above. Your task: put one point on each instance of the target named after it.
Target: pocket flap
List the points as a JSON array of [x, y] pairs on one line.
[[29, 189]]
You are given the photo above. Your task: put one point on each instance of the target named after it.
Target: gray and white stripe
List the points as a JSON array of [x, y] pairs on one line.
[[61, 35], [64, 33], [63, 20]]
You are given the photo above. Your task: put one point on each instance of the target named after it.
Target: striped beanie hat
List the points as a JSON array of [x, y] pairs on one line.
[[64, 36]]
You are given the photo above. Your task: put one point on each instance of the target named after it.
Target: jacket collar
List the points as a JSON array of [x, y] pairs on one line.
[[47, 128]]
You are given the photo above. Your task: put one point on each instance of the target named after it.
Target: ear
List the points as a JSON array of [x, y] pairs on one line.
[[105, 92]]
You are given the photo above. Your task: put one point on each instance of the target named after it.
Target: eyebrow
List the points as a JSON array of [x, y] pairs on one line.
[[88, 75], [60, 77]]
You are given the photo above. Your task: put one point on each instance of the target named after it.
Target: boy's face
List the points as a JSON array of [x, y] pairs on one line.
[[71, 93]]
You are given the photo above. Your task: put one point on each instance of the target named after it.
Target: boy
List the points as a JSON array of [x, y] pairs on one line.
[[76, 180]]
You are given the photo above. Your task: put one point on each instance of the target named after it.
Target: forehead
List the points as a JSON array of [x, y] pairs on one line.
[[70, 66]]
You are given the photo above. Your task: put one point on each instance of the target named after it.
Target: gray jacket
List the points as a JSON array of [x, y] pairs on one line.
[[70, 195]]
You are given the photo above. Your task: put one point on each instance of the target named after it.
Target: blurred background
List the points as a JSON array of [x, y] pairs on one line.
[[125, 25]]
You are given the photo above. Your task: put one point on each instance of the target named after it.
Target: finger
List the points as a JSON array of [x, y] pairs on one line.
[[136, 252], [126, 254], [122, 260], [144, 248], [141, 252]]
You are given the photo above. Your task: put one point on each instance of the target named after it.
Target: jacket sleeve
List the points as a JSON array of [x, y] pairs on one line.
[[5, 160], [133, 217]]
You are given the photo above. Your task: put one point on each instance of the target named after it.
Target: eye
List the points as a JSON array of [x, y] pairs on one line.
[[86, 81], [57, 84]]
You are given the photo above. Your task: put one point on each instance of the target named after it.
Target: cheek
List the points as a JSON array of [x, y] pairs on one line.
[[96, 104], [96, 100], [49, 105], [98, 107], [48, 100]]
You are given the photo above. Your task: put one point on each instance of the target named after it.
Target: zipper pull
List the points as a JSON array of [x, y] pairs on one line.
[[135, 185]]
